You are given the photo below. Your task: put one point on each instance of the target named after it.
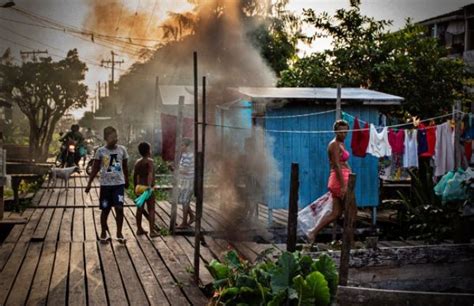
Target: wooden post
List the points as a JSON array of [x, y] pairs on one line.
[[196, 119], [338, 117], [155, 102], [200, 189], [177, 156], [338, 102], [293, 208], [2, 174], [347, 236]]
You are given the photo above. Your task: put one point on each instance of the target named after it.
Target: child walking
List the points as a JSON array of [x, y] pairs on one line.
[[143, 179], [186, 182], [111, 161]]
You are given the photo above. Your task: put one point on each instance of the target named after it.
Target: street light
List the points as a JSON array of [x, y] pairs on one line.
[[8, 4]]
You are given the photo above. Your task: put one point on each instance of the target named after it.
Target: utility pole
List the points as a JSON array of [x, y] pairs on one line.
[[111, 64], [25, 54]]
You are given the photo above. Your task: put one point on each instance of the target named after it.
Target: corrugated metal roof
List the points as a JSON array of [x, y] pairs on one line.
[[318, 93]]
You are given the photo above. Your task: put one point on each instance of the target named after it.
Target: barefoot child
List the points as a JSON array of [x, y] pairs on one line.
[[111, 161], [143, 179], [186, 182]]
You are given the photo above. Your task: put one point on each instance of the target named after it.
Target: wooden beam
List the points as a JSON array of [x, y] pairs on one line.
[[293, 208], [348, 234]]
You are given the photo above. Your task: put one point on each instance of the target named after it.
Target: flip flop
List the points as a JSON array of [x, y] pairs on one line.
[[121, 240], [104, 240]]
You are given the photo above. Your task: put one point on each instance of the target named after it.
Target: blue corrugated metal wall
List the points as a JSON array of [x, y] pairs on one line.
[[310, 151]]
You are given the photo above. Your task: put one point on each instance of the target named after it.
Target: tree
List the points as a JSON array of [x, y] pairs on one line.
[[365, 54], [269, 26], [44, 91]]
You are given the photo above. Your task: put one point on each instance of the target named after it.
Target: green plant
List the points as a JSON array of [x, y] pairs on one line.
[[427, 217], [294, 279]]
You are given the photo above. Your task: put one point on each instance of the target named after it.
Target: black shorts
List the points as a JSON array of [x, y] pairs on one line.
[[111, 196]]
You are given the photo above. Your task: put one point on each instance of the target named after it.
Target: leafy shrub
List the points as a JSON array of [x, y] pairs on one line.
[[427, 217], [294, 279]]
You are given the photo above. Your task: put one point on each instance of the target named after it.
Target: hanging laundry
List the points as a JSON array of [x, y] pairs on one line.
[[396, 140], [468, 133], [422, 139], [379, 145], [360, 139], [410, 157], [430, 138], [468, 150], [444, 150]]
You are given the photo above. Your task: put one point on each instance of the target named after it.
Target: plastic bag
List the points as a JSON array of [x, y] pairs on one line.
[[455, 189], [312, 215], [441, 186], [143, 197]]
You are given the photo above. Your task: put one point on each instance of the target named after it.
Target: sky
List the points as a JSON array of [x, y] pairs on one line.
[[17, 33]]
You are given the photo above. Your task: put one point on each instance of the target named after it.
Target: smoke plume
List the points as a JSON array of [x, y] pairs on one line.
[[239, 163]]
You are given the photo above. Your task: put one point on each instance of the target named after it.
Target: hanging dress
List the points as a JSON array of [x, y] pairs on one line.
[[379, 145], [444, 150], [410, 157]]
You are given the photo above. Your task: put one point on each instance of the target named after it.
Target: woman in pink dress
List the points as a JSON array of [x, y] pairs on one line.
[[338, 177]]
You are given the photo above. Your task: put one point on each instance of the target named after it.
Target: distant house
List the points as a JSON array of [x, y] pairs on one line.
[[455, 30]]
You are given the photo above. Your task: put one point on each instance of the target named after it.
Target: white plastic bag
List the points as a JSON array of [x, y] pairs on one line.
[[311, 216]]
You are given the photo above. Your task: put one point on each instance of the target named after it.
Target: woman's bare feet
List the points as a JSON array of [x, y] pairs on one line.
[[183, 225], [141, 231]]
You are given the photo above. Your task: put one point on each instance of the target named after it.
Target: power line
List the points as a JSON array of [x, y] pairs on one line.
[[107, 44]]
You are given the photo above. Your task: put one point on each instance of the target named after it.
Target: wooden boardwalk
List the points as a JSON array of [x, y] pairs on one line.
[[55, 258]]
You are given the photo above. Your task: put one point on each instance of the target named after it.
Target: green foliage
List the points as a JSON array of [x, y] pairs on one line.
[[45, 91], [365, 54], [294, 279], [427, 218], [327, 267]]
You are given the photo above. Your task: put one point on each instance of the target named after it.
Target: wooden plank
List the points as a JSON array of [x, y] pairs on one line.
[[77, 284], [165, 278], [180, 249], [6, 249], [78, 199], [168, 284], [31, 225], [8, 274], [42, 228], [57, 294], [21, 287], [113, 280], [132, 284], [89, 226], [37, 197], [78, 225], [95, 280], [62, 197], [52, 200], [18, 229], [145, 273], [39, 288], [66, 225], [53, 231], [193, 293]]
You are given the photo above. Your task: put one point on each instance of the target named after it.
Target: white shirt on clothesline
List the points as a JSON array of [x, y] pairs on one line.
[[378, 143]]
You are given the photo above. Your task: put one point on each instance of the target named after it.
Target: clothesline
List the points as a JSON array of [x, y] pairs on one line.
[[299, 115], [322, 131], [403, 124]]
